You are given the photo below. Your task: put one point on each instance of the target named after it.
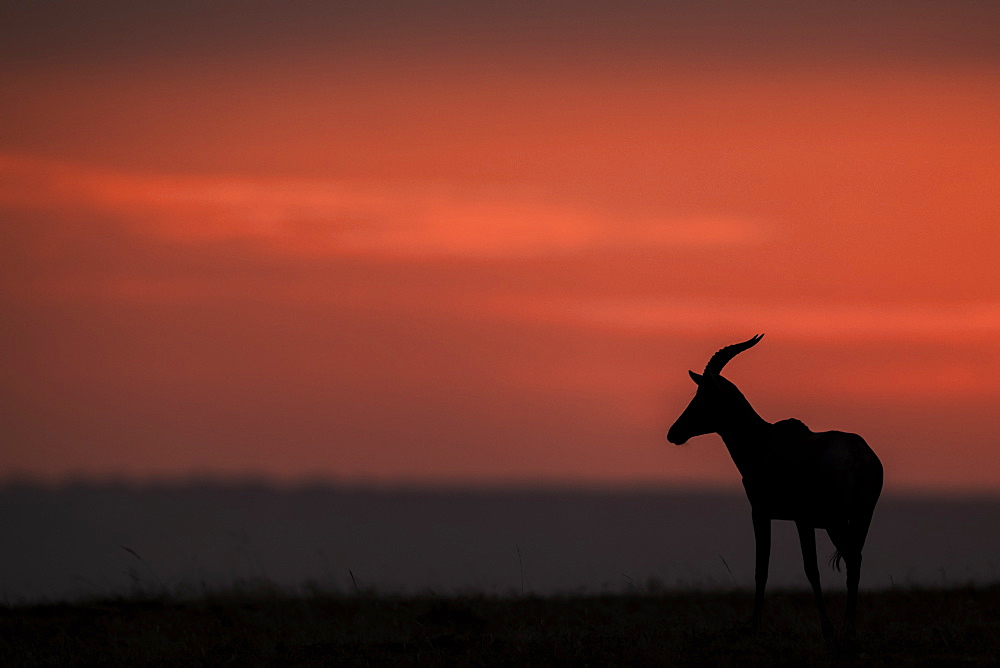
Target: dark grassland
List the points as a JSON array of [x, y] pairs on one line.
[[260, 627]]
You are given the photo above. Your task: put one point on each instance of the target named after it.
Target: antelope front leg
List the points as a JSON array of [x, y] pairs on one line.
[[762, 538], [807, 540]]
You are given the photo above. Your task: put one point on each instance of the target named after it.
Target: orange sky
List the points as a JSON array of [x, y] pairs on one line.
[[458, 243]]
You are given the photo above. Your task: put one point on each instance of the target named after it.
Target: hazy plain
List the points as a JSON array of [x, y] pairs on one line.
[[83, 541]]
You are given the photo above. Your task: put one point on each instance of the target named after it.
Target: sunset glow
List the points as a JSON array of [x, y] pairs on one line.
[[441, 245]]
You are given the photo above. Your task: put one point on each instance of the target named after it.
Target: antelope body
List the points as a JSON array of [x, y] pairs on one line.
[[819, 480]]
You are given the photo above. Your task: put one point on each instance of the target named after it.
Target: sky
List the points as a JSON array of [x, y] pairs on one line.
[[484, 242]]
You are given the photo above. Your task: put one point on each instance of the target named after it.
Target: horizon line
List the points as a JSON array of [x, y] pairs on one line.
[[441, 485]]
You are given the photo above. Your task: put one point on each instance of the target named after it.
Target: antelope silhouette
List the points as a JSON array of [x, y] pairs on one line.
[[820, 480]]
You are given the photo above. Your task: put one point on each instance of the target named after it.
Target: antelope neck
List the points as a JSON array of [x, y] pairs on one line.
[[743, 436]]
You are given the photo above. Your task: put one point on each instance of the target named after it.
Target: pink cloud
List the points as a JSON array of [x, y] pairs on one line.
[[319, 218], [835, 322]]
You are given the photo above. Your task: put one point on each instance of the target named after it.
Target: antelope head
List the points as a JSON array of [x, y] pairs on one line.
[[715, 399]]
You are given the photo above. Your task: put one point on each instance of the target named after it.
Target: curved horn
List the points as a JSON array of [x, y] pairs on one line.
[[722, 357]]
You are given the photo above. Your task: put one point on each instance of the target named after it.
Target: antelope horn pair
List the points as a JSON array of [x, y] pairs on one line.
[[722, 357]]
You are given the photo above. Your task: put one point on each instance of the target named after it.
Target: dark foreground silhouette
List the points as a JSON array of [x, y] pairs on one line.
[[829, 480], [902, 627]]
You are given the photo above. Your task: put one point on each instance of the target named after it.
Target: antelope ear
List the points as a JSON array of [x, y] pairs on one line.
[[695, 377]]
